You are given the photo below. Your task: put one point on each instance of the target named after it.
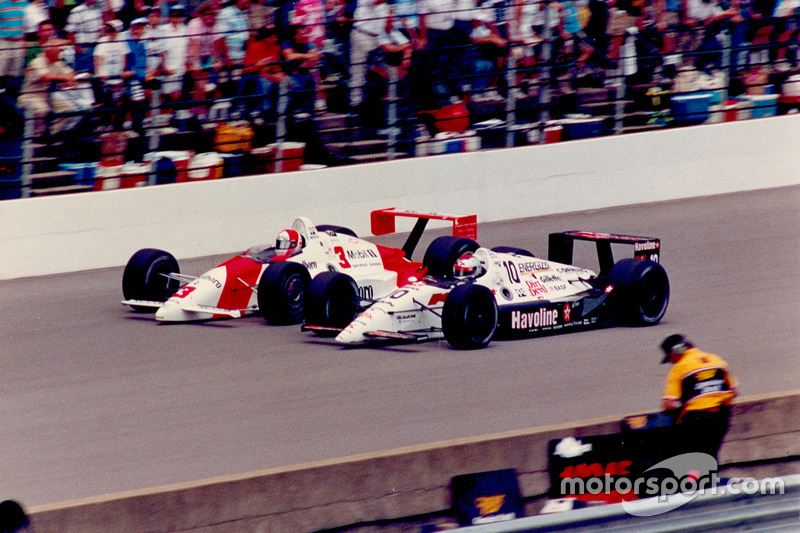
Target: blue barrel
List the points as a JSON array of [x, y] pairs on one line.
[[10, 177], [84, 172]]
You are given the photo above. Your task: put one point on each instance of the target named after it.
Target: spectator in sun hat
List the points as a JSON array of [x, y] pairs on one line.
[[698, 393], [134, 37], [154, 42], [111, 68], [137, 65], [111, 53], [175, 36]]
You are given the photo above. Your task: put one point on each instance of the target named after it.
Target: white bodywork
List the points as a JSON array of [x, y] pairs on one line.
[[414, 311], [229, 289]]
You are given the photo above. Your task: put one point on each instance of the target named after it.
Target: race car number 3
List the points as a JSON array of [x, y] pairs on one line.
[[343, 262], [184, 291]]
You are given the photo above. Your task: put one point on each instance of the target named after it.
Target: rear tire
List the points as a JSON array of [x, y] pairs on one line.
[[282, 293], [641, 292], [332, 302], [469, 317], [443, 252], [341, 230], [144, 277]]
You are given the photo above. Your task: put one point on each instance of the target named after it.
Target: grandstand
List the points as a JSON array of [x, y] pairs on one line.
[[167, 93]]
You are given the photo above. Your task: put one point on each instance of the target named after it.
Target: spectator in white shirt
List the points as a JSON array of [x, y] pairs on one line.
[[176, 53], [369, 31], [83, 29], [110, 67]]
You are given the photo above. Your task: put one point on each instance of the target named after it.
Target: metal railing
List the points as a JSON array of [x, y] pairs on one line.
[[552, 98]]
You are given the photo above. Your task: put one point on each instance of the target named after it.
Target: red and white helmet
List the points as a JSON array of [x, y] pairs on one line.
[[288, 242], [467, 267]]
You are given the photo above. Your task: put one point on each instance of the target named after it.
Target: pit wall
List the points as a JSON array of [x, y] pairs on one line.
[[395, 485], [40, 236]]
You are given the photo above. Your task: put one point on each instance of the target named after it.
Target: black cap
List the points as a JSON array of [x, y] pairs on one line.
[[674, 344]]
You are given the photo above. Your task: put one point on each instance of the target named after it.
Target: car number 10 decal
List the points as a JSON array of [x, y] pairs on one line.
[[511, 270]]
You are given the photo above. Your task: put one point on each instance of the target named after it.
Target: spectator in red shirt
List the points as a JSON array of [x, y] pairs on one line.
[[262, 73]]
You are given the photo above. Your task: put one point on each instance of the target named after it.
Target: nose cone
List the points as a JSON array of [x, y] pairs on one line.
[[172, 312], [352, 334], [373, 319]]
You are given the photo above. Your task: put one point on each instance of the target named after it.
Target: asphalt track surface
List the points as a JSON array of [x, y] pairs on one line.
[[97, 399]]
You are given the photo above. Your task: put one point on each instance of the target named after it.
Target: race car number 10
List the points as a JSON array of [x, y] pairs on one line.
[[511, 270]]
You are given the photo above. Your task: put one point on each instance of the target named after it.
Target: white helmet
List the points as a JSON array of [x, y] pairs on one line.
[[467, 267]]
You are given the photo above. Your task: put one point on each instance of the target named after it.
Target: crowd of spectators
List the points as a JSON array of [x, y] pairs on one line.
[[299, 57]]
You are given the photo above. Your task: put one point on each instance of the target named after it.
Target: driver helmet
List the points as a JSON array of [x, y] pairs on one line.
[[467, 267], [288, 242]]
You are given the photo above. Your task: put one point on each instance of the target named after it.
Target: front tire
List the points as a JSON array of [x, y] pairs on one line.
[[282, 293], [469, 317], [332, 301], [641, 292], [443, 252], [145, 277]]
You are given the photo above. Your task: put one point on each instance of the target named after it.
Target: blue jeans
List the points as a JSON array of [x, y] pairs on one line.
[[261, 94], [84, 61], [302, 93], [483, 70]]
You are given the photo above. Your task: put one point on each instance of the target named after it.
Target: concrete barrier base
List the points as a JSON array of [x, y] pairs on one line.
[[400, 487]]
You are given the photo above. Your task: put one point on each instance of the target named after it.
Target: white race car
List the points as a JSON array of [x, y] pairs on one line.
[[511, 291], [273, 280]]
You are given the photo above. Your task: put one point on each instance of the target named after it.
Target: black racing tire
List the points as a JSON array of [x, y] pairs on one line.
[[443, 252], [469, 317], [282, 293], [640, 293], [512, 250], [341, 230], [332, 302], [143, 277]]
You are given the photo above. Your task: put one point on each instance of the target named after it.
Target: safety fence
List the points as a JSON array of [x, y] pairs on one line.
[[546, 89]]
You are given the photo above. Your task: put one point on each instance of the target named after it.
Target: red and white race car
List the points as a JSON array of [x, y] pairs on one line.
[[273, 280]]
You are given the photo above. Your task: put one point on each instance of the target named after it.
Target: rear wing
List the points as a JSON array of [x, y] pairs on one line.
[[383, 222], [560, 246]]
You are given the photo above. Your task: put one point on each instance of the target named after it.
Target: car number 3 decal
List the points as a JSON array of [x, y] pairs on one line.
[[343, 262], [184, 291]]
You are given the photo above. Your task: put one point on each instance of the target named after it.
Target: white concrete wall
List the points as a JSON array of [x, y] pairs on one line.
[[49, 235]]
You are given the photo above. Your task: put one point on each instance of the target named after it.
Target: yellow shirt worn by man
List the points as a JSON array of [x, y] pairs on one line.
[[697, 381]]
